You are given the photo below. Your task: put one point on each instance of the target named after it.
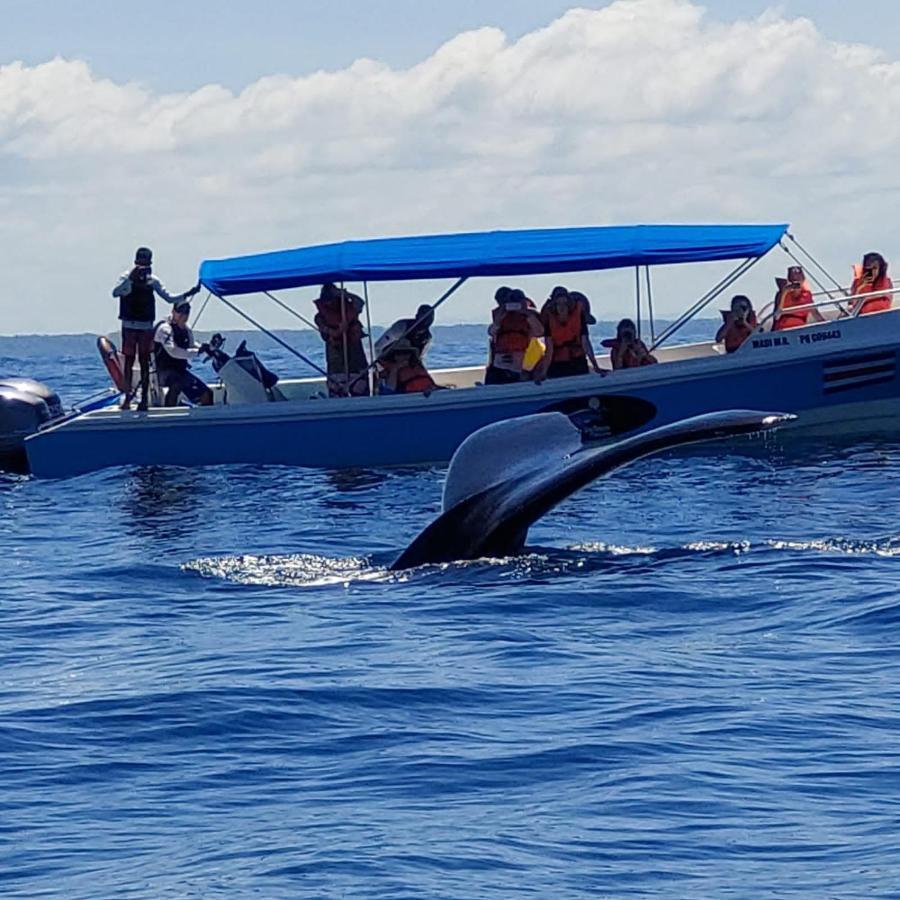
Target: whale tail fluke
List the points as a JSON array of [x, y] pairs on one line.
[[504, 477]]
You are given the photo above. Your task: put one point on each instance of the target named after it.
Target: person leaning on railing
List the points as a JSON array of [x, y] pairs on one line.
[[871, 278]]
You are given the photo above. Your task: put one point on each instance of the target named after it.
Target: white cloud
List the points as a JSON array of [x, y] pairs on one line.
[[646, 110]]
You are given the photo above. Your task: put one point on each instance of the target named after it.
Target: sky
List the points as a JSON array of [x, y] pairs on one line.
[[207, 129]]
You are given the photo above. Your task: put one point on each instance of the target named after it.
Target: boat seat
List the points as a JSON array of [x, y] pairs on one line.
[[240, 386]]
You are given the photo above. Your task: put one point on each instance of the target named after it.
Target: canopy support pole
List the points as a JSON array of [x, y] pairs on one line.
[[344, 338], [815, 262], [650, 305], [273, 336], [706, 299], [293, 312], [444, 297], [373, 384], [637, 298], [202, 308], [812, 275]]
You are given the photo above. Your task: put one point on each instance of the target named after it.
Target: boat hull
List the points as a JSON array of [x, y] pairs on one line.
[[835, 376]]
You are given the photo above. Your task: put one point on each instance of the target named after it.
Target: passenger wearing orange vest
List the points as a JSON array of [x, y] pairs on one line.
[[587, 319], [338, 322], [402, 371], [739, 323], [515, 323], [794, 292], [565, 333], [871, 278], [627, 350]]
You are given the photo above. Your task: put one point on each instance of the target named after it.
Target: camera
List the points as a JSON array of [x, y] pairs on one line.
[[140, 273], [513, 307]]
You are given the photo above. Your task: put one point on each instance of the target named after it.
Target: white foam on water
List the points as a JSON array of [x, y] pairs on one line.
[[887, 548], [302, 569], [613, 549]]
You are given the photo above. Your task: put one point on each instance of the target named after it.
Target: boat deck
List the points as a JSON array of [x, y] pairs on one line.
[[473, 376]]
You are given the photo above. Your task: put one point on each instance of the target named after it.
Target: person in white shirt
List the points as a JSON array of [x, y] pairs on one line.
[[137, 290], [174, 347]]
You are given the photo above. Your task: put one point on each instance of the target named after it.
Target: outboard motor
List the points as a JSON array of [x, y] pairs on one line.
[[30, 386], [21, 415], [25, 406], [245, 378]]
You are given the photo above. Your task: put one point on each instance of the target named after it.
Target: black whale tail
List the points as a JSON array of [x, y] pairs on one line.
[[506, 476]]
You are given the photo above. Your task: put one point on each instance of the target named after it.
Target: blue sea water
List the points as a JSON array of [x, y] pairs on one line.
[[211, 685]]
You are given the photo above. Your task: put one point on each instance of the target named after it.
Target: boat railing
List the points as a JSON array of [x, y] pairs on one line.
[[767, 313]]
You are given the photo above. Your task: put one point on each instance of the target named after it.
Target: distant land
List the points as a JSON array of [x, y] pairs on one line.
[[458, 330]]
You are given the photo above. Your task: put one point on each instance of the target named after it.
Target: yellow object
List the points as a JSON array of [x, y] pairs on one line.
[[534, 354]]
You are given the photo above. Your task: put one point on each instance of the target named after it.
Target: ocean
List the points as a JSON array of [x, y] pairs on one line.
[[212, 686]]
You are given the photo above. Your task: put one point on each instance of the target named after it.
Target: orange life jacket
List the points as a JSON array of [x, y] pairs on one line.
[[414, 379], [790, 299], [513, 334], [630, 360], [566, 336], [333, 317], [875, 304]]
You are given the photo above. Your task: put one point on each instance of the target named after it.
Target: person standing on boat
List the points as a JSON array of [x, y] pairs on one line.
[[514, 325], [871, 278], [337, 319], [565, 334], [793, 295], [587, 319], [174, 347], [137, 290]]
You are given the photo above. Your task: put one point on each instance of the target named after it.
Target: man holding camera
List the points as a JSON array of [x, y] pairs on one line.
[[137, 290], [870, 279], [794, 301], [174, 347]]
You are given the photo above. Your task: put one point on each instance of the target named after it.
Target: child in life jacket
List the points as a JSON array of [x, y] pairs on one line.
[[627, 350], [738, 323], [794, 293], [401, 371], [871, 278], [515, 324]]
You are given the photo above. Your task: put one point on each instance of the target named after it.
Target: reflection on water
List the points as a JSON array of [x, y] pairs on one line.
[[160, 501], [348, 481]]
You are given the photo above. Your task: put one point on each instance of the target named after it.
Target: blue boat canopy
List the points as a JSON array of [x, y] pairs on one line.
[[489, 253]]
